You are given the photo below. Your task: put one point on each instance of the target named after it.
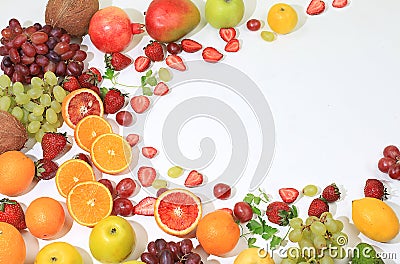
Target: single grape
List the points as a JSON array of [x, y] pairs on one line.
[[29, 106], [59, 93], [186, 246], [18, 112], [243, 212], [331, 225], [32, 117], [268, 36], [45, 100], [175, 171], [50, 78], [159, 183], [109, 186], [193, 258], [5, 103], [296, 223], [124, 118], [37, 82], [253, 24], [33, 127], [56, 106], [161, 244], [51, 116], [174, 48], [160, 191], [391, 152], [22, 98], [339, 239], [38, 110], [34, 93], [319, 242], [123, 207], [39, 135], [18, 87], [5, 81], [394, 171], [326, 260], [340, 225], [318, 228], [385, 163], [222, 191], [39, 37], [149, 258], [125, 188], [164, 74], [311, 219], [151, 248], [24, 119], [310, 190], [295, 235], [47, 127], [166, 257], [175, 250]]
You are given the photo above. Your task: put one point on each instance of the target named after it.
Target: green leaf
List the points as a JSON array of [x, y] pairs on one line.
[[249, 198], [109, 74], [149, 73], [269, 231], [257, 200], [256, 210], [275, 242], [251, 241], [143, 80], [147, 91], [152, 81], [255, 227]]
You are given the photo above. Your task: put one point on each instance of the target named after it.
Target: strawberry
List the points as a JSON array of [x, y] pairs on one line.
[[288, 195], [280, 213], [142, 63], [149, 152], [70, 83], [190, 46], [146, 176], [96, 73], [315, 7], [331, 193], [317, 207], [339, 3], [211, 54], [132, 139], [90, 77], [175, 62], [155, 51], [83, 157], [117, 61], [113, 101], [227, 33], [145, 206], [45, 169], [374, 188], [194, 179], [11, 212], [233, 45], [140, 103], [96, 89], [161, 89], [53, 144]]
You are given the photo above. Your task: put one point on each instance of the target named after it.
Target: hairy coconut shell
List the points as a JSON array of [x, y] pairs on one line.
[[72, 15], [13, 135]]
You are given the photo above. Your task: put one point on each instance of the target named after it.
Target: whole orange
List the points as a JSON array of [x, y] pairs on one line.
[[218, 233], [16, 172], [45, 217], [282, 18], [12, 245]]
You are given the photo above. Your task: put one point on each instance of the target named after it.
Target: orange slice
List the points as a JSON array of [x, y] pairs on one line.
[[89, 202], [80, 103], [89, 128], [177, 211], [72, 172], [111, 153]]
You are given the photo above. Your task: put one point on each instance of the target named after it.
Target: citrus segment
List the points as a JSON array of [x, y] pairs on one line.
[[111, 153], [177, 211], [72, 172], [79, 104], [89, 202], [12, 245], [89, 128]]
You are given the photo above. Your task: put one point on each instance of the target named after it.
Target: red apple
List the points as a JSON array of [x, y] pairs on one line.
[[169, 20]]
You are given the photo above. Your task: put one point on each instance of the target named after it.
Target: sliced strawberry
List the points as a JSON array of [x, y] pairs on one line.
[[146, 176], [316, 7], [149, 152], [161, 89], [211, 54], [227, 33], [194, 179], [140, 103], [132, 139], [339, 3], [190, 46], [288, 195], [145, 206], [142, 63], [175, 62], [233, 45]]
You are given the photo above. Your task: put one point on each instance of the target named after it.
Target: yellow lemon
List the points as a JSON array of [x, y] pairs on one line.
[[375, 219], [253, 256], [282, 18]]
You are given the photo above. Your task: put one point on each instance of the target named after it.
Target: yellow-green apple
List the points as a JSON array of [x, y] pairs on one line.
[[58, 253], [224, 13], [253, 256], [169, 20], [112, 240]]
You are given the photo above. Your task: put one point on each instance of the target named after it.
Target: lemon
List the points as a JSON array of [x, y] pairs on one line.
[[375, 219], [253, 256]]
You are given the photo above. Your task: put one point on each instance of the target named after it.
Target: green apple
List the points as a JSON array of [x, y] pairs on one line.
[[58, 253], [224, 13], [112, 240]]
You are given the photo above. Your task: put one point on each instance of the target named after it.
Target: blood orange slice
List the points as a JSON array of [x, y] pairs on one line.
[[177, 211], [79, 104]]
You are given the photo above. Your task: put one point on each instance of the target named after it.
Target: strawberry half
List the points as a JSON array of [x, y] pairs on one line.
[[288, 195], [233, 45], [45, 169], [142, 63], [132, 139], [146, 176], [190, 46], [339, 3], [194, 179], [227, 33], [117, 61], [140, 103], [161, 89], [149, 152], [212, 55], [145, 206], [315, 7], [175, 62]]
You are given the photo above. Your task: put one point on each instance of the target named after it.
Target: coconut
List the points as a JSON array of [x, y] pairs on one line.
[[72, 15], [13, 135]]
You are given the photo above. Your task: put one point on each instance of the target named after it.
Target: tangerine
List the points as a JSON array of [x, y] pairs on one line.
[[12, 245], [89, 128], [16, 172], [218, 233], [282, 18]]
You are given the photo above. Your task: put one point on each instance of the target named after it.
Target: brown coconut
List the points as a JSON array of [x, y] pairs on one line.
[[72, 15], [13, 135]]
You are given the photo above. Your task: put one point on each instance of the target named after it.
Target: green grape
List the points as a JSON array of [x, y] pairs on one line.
[[38, 110], [47, 127], [39, 135], [340, 225], [305, 242], [29, 106], [325, 215], [34, 127], [59, 93], [331, 225], [17, 112], [310, 190], [50, 78], [339, 239], [326, 260], [293, 253], [318, 228], [22, 98], [58, 123], [45, 100], [319, 242], [1, 93], [268, 35], [37, 82], [295, 235], [5, 103], [288, 261], [175, 172], [51, 116], [159, 183], [296, 223], [307, 233], [56, 106], [164, 74], [34, 92], [5, 81], [18, 87], [33, 117], [25, 119], [311, 219]]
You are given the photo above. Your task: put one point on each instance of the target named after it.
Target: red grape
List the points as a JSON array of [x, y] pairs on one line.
[[222, 191], [125, 188], [124, 118], [123, 207], [109, 185], [28, 49], [253, 24], [394, 171], [391, 152], [61, 48], [39, 37], [385, 163], [243, 212], [174, 48]]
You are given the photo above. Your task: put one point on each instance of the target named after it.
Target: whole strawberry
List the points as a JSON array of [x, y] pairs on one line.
[[374, 188], [11, 212], [45, 169], [317, 207], [154, 51], [53, 144], [280, 213], [90, 77], [117, 61], [70, 83], [113, 101], [331, 193]]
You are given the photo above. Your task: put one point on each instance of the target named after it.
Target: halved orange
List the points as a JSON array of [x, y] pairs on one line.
[[177, 211], [72, 172], [80, 103], [111, 153], [89, 202], [89, 128]]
